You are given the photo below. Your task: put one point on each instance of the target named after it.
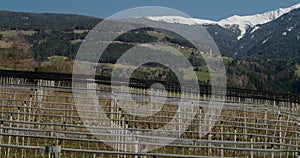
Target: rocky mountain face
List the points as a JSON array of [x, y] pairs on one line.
[[273, 34]]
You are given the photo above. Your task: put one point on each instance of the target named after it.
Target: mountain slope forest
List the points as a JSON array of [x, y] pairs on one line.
[[264, 59]]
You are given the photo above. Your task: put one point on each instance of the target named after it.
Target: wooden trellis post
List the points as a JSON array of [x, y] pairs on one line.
[[1, 137], [222, 138], [18, 119], [9, 132], [235, 146], [209, 145], [251, 140], [266, 127], [245, 124]]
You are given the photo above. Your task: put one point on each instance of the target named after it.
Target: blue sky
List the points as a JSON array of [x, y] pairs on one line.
[[206, 9]]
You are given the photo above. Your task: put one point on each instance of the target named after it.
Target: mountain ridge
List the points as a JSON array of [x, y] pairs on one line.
[[242, 23]]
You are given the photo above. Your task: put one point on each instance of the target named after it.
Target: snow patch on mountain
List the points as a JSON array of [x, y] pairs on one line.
[[181, 20], [284, 33], [266, 40], [243, 22], [255, 28], [290, 29]]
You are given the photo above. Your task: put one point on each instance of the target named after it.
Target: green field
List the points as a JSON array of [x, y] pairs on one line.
[[227, 60], [203, 68], [14, 33], [297, 71], [80, 31], [186, 53], [156, 34], [76, 41], [202, 76]]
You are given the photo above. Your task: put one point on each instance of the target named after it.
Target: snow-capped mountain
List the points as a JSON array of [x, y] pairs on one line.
[[242, 22]]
